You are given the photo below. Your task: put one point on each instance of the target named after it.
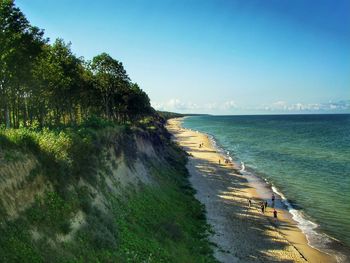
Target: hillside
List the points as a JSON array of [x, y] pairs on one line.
[[102, 194]]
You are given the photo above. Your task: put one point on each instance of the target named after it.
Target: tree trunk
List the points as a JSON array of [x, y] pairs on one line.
[[7, 117], [25, 113], [13, 113]]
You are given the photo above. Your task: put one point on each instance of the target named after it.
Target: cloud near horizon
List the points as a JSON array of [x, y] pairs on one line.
[[188, 106], [231, 107], [329, 106]]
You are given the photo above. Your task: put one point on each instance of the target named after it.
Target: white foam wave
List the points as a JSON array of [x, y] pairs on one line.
[[315, 239], [216, 146], [242, 167]]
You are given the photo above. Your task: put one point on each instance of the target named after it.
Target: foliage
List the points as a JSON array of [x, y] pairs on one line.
[[161, 223], [168, 115], [56, 209], [20, 44], [16, 243], [65, 154], [47, 85]]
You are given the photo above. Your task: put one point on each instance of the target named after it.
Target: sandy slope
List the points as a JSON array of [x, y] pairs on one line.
[[242, 234]]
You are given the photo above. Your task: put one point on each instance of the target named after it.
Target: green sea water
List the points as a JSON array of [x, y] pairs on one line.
[[304, 157]]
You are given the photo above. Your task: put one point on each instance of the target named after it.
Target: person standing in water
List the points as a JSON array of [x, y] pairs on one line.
[[273, 200]]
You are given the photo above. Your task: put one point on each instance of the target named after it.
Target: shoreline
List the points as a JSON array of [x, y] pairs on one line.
[[225, 192], [265, 189]]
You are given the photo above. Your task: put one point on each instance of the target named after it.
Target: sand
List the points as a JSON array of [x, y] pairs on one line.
[[241, 233]]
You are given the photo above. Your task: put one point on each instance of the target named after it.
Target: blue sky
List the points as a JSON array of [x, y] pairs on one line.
[[220, 57]]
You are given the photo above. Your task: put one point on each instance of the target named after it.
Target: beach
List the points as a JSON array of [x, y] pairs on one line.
[[241, 233]]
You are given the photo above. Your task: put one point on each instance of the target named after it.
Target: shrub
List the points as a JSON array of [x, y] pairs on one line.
[[97, 123], [51, 212]]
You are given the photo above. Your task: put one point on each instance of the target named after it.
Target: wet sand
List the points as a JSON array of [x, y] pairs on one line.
[[241, 233]]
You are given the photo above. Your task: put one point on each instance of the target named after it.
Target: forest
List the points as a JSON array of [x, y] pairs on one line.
[[44, 84]]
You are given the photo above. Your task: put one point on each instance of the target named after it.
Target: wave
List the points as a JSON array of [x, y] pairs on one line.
[[242, 167], [316, 239]]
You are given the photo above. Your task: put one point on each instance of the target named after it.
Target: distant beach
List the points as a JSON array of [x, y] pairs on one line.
[[242, 233]]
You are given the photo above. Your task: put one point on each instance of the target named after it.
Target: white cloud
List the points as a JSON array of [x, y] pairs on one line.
[[280, 105], [231, 107], [175, 105], [181, 106], [211, 106], [305, 107]]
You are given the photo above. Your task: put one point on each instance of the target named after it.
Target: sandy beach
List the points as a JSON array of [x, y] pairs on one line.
[[241, 233]]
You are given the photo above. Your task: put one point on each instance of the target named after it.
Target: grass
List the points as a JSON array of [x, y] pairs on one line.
[[161, 223]]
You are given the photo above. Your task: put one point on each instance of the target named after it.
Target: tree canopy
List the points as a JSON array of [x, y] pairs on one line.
[[47, 84]]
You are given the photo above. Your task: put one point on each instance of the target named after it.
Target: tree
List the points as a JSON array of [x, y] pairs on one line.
[[49, 85], [20, 45], [137, 102], [58, 74], [109, 77]]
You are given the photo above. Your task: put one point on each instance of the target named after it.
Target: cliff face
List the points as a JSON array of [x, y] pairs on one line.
[[125, 199], [19, 185]]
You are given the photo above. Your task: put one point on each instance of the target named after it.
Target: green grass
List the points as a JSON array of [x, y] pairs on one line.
[[15, 243], [160, 223], [64, 153]]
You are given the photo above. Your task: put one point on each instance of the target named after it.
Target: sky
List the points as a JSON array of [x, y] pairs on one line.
[[216, 57]]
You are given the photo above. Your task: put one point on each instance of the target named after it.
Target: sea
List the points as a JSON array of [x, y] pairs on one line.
[[303, 159]]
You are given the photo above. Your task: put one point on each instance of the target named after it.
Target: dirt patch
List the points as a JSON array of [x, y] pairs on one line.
[[20, 182]]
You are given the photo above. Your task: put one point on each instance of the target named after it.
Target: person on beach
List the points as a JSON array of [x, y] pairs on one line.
[[219, 161], [249, 202], [273, 200], [265, 205], [275, 214], [262, 207]]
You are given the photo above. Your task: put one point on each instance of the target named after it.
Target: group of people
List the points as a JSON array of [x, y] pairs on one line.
[[201, 145], [263, 206]]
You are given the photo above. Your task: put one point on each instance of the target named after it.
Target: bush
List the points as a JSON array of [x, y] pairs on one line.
[[100, 231], [51, 212], [97, 123], [16, 245]]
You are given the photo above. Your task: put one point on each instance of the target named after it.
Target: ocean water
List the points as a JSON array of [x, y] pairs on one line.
[[304, 158]]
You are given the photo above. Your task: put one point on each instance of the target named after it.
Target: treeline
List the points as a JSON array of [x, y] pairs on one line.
[[44, 84], [166, 115]]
